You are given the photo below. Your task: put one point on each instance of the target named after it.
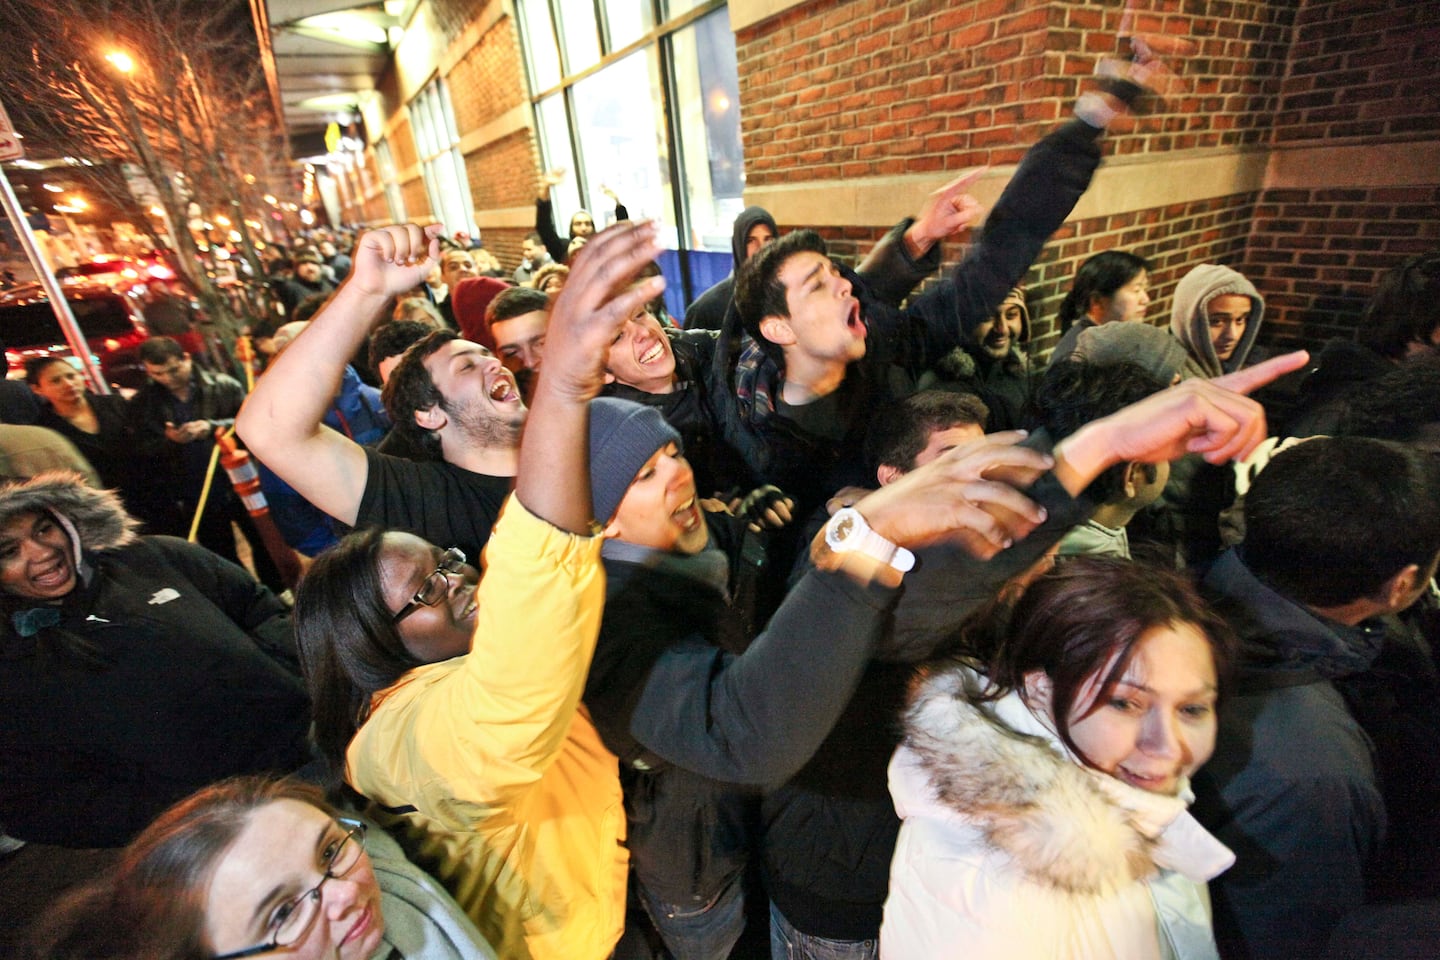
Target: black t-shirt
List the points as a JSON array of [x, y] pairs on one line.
[[447, 505]]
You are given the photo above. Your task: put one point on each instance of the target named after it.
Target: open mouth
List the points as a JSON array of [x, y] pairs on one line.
[[687, 515], [503, 390], [853, 321], [653, 354], [51, 575], [468, 613]]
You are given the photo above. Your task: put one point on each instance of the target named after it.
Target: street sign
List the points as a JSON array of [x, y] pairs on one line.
[[10, 146]]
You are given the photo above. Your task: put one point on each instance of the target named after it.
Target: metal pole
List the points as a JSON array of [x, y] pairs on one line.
[[73, 335]]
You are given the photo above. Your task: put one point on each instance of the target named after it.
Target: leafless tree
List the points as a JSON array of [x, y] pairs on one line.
[[173, 87]]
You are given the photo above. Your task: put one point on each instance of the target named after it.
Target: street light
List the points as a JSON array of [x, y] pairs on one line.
[[121, 61]]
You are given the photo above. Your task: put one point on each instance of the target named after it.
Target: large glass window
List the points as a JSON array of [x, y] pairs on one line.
[[433, 122], [389, 176], [675, 157], [623, 142]]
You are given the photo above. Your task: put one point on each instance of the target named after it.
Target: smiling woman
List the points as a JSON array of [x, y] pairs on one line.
[[254, 867], [1043, 782], [180, 658]]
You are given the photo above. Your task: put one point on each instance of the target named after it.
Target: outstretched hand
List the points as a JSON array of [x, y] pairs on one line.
[[594, 304], [952, 499], [948, 211], [1213, 418], [390, 260]]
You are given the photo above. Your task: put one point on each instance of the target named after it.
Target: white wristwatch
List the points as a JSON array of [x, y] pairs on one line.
[[847, 531]]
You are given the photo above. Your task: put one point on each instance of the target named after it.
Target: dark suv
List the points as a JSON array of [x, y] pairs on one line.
[[113, 325]]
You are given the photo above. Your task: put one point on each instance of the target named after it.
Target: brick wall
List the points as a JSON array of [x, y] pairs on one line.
[[1173, 239], [1361, 69], [1318, 254], [488, 80], [848, 88], [842, 89]]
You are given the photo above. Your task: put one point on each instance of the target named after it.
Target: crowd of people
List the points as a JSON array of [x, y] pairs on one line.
[[834, 616]]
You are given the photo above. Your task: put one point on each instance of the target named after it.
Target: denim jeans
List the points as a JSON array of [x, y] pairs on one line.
[[699, 931], [787, 943]]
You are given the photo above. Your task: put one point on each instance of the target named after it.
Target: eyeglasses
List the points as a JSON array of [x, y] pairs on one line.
[[294, 918], [436, 586]]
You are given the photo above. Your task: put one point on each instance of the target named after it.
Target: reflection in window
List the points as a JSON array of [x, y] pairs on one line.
[[555, 148], [538, 33], [708, 106], [442, 166], [579, 36], [628, 22], [624, 143]]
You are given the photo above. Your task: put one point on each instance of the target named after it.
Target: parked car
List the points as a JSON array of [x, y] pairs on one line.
[[113, 323]]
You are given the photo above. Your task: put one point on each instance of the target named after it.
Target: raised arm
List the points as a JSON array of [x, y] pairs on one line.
[[555, 244], [740, 719], [554, 477], [281, 422]]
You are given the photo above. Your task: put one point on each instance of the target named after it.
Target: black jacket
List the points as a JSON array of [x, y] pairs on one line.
[[904, 343], [830, 831]]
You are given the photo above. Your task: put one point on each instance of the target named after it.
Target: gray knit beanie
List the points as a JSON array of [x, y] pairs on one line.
[[623, 435], [1153, 349]]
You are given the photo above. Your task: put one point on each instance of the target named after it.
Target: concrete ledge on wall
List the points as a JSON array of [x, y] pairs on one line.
[[1354, 166], [746, 13], [518, 217], [1122, 184], [512, 121]]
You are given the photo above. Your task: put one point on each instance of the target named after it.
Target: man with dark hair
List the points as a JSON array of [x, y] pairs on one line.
[[991, 360], [308, 281], [175, 416], [811, 320], [909, 433], [1073, 393], [517, 319], [1339, 533], [449, 395], [534, 256], [391, 340]]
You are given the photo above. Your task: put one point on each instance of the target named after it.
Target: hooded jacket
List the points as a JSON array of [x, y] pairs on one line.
[[164, 669], [1004, 384], [1189, 324], [708, 310], [1012, 848]]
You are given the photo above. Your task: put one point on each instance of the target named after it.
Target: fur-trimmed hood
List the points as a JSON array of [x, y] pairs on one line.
[[96, 518], [1007, 774]]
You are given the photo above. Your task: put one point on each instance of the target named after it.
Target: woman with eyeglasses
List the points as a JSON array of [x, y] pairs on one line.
[[452, 703], [252, 867]]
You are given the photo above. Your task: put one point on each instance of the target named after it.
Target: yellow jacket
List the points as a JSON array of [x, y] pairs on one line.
[[491, 770]]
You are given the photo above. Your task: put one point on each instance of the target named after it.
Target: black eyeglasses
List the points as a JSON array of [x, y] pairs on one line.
[[294, 918], [436, 586]]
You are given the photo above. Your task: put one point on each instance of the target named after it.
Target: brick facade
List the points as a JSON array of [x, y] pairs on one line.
[[842, 90], [848, 91]]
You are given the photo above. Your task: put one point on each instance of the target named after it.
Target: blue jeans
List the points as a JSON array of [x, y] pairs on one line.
[[787, 943], [699, 931]]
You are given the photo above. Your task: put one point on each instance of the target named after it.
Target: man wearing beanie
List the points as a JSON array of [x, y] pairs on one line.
[[308, 281], [699, 730], [1216, 314], [1150, 348]]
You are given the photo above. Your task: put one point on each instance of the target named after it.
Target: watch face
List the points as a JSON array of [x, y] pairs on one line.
[[843, 529]]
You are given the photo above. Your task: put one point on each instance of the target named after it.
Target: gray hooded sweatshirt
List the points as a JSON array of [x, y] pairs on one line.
[[1189, 324]]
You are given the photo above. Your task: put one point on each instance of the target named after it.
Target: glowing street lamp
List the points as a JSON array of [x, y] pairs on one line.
[[121, 61]]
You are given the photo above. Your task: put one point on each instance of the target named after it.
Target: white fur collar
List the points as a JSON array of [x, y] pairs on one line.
[[1062, 823]]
